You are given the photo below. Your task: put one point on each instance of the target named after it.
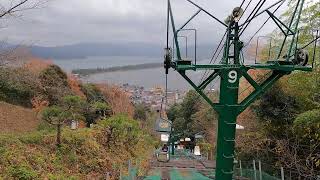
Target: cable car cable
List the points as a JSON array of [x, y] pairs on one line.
[[242, 3], [213, 56], [253, 13], [254, 9], [263, 24], [245, 9], [220, 43], [168, 19], [168, 53]]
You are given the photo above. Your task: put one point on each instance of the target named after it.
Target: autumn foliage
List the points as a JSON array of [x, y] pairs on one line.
[[39, 103], [36, 65], [74, 84], [118, 100], [246, 88]]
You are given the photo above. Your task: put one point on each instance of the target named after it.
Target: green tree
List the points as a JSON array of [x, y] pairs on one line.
[[55, 115], [95, 111], [101, 108], [174, 112], [71, 109], [182, 114], [307, 126], [141, 112], [122, 131], [55, 84], [92, 93]]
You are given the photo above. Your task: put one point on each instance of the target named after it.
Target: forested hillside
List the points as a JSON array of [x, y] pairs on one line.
[[38, 102]]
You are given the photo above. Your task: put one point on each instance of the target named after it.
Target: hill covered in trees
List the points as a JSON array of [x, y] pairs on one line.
[[41, 100]]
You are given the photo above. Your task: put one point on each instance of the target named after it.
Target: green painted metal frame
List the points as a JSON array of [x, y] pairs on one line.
[[277, 21], [269, 52], [230, 74]]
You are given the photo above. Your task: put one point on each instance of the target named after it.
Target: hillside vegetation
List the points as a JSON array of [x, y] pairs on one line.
[[84, 153], [39, 99], [15, 119]]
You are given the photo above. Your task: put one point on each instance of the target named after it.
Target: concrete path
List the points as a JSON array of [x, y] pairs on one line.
[[181, 167]]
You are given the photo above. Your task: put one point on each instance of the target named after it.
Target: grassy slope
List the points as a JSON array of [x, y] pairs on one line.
[[17, 119]]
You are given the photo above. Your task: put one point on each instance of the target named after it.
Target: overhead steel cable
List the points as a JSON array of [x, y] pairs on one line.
[[213, 56], [263, 24], [245, 9], [242, 3], [261, 12], [268, 73], [254, 9], [215, 52], [253, 14], [168, 24], [168, 19], [207, 13]]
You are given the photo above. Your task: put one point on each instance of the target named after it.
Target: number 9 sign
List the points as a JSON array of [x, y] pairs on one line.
[[233, 76]]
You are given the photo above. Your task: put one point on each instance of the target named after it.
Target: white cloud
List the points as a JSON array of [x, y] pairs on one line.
[[75, 21]]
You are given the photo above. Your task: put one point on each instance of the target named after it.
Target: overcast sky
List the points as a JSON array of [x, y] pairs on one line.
[[63, 22]]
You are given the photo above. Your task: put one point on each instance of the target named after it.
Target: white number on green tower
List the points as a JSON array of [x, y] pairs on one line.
[[233, 76]]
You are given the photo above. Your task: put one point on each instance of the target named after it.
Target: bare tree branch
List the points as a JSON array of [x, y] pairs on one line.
[[13, 8], [23, 5]]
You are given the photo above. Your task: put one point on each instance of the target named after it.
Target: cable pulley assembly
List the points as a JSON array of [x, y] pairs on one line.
[[301, 57]]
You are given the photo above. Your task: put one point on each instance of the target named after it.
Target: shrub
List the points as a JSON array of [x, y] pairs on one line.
[[22, 172], [92, 93], [84, 152], [17, 86], [55, 84]]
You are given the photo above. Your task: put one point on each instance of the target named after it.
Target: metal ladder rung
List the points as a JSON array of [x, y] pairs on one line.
[[229, 140], [235, 87], [228, 157], [227, 172], [230, 123]]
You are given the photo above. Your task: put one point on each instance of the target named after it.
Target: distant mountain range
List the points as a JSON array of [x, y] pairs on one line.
[[99, 49]]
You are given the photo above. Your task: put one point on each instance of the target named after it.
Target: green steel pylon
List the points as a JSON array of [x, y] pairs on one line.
[[230, 71]]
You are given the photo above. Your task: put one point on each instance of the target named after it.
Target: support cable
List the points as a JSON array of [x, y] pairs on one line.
[[254, 9], [261, 12], [168, 19], [242, 3], [253, 13], [263, 24], [168, 24], [245, 9], [214, 57]]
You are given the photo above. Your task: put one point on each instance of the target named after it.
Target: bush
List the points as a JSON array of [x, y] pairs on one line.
[[92, 93], [17, 86], [22, 172], [84, 152], [307, 125], [55, 84]]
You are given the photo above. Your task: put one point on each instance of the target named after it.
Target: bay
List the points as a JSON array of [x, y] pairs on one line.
[[147, 78]]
